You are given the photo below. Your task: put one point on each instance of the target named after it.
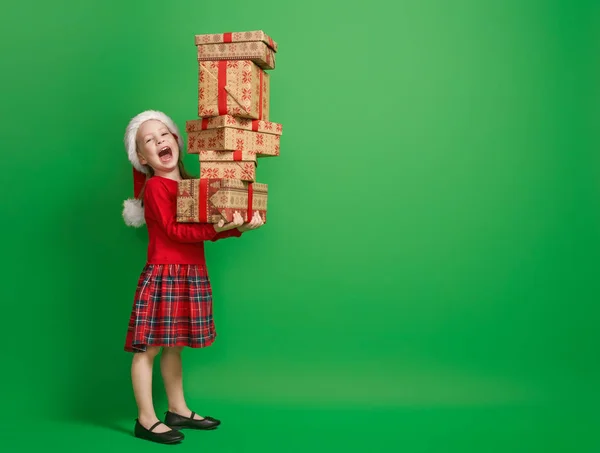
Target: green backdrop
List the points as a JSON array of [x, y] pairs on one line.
[[427, 280]]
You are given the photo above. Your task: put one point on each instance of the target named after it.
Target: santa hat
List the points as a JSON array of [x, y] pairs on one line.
[[133, 208]]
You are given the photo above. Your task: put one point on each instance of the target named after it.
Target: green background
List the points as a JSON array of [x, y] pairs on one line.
[[427, 280]]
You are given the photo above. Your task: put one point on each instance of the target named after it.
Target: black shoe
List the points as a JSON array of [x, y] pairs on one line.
[[177, 421], [168, 437]]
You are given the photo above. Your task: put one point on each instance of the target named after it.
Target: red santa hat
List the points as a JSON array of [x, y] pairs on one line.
[[133, 208]]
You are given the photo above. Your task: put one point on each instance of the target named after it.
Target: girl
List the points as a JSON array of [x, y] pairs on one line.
[[173, 303]]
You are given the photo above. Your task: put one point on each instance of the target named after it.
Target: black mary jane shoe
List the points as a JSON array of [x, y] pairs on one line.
[[168, 437], [177, 421]]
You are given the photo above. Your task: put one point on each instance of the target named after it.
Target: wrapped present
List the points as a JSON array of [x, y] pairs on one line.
[[226, 156], [210, 200], [215, 122], [234, 134], [238, 88], [256, 46], [245, 171]]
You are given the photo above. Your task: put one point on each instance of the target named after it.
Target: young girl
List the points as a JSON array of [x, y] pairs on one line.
[[173, 302]]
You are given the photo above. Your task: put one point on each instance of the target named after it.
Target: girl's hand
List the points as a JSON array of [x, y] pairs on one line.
[[237, 221], [255, 223]]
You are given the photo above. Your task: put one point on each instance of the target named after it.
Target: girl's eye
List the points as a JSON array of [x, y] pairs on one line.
[[164, 133]]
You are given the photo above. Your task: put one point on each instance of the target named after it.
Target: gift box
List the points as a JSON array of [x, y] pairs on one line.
[[227, 156], [210, 200], [245, 171], [256, 46], [231, 121], [234, 135], [238, 88]]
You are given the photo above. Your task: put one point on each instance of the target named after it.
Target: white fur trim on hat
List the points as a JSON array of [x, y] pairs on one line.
[[131, 133], [133, 212]]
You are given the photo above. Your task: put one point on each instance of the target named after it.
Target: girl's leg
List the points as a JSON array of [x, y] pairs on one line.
[[141, 377], [172, 374]]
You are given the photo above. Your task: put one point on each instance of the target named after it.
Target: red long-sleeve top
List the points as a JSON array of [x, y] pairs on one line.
[[171, 242]]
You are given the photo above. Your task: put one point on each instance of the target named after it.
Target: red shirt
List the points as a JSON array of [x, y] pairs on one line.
[[171, 242]]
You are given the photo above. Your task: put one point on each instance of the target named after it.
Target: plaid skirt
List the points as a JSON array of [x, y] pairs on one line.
[[172, 307]]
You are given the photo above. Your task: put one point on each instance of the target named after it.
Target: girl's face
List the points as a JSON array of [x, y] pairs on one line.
[[157, 147]]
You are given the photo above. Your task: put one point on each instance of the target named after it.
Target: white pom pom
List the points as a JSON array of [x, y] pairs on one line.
[[133, 212]]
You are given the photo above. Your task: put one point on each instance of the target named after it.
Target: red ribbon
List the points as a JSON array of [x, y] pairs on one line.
[[222, 94], [222, 82], [203, 201], [250, 195], [204, 124], [227, 37], [237, 155], [255, 125]]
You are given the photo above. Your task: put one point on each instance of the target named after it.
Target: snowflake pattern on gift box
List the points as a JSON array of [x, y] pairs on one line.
[[201, 77], [239, 144], [209, 172], [266, 125], [201, 143], [248, 169], [230, 120], [260, 139], [205, 112], [247, 95], [229, 173], [214, 65], [233, 64], [279, 126], [212, 142], [201, 93], [222, 199], [220, 134], [246, 77]]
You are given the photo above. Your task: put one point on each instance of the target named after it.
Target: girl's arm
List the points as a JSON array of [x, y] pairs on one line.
[[159, 206], [233, 233]]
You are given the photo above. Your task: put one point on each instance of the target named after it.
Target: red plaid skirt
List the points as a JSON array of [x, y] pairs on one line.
[[172, 307]]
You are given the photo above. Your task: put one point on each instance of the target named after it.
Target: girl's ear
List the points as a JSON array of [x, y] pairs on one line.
[[141, 159], [176, 137]]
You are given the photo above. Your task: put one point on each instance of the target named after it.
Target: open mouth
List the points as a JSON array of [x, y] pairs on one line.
[[165, 154]]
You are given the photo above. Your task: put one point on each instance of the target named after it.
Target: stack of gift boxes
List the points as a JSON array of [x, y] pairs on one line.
[[233, 131]]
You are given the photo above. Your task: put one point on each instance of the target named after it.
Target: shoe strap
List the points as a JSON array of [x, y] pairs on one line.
[[193, 414], [155, 425]]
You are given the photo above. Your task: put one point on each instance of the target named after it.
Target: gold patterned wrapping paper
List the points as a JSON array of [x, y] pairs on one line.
[[210, 200], [236, 88], [256, 46], [246, 171], [230, 139]]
